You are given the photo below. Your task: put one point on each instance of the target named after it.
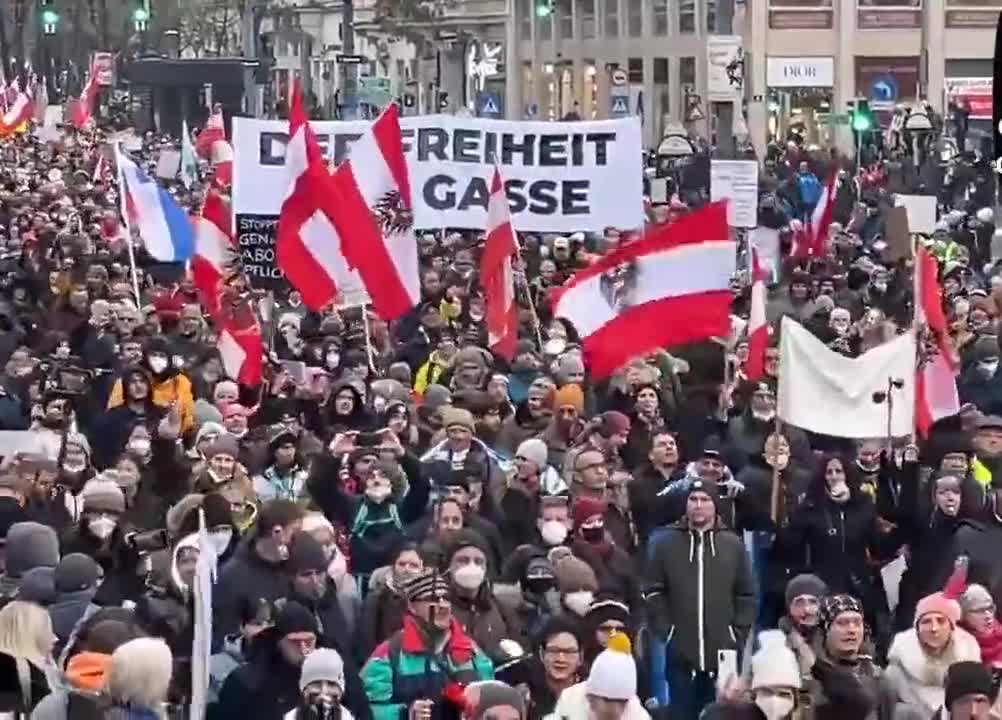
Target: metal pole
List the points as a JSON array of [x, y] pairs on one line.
[[248, 30], [859, 168], [725, 110], [349, 71]]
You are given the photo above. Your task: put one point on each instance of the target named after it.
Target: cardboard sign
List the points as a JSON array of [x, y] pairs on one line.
[[896, 235]]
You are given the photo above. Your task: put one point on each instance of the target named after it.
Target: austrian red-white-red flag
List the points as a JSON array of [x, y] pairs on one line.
[[20, 111], [240, 344], [936, 395], [222, 164], [214, 249], [496, 274], [758, 326], [82, 108], [214, 131], [811, 240], [375, 217], [672, 286], [308, 246]]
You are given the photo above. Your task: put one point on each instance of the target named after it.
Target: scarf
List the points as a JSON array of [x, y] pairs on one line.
[[991, 646]]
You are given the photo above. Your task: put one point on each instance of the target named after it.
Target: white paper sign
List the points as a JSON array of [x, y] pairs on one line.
[[737, 182], [724, 75], [168, 164], [921, 211], [560, 176]]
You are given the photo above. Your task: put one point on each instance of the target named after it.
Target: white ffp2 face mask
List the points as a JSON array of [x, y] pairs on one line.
[[579, 602], [553, 532], [774, 707], [469, 577]]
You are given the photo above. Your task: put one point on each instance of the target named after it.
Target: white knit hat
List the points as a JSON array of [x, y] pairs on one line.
[[774, 665], [535, 451], [322, 664], [613, 675]]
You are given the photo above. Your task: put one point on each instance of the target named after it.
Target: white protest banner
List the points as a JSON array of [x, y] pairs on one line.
[[561, 176], [168, 164], [921, 211], [825, 392], [737, 182]]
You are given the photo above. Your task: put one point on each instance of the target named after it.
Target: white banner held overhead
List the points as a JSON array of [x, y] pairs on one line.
[[828, 393], [560, 176], [737, 182]]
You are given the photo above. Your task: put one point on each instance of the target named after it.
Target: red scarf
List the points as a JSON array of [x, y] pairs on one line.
[[991, 646]]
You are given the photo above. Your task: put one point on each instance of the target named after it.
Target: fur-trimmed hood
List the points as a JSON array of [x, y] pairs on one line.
[[917, 678]]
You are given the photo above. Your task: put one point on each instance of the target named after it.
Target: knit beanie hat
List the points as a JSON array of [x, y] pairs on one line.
[[613, 674], [176, 514], [306, 553], [570, 364], [699, 485], [30, 545], [436, 396], [835, 605], [573, 575], [976, 597], [453, 416], [588, 507], [495, 694], [225, 444], [967, 678], [774, 664], [210, 429], [74, 572], [607, 607], [205, 413], [103, 496], [322, 664], [805, 584], [140, 671], [937, 602], [294, 618], [613, 422], [535, 451], [37, 586], [217, 510], [569, 396]]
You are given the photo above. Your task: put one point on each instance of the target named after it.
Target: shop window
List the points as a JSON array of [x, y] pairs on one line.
[[659, 17], [687, 16], [635, 17], [635, 70], [586, 8], [612, 18]]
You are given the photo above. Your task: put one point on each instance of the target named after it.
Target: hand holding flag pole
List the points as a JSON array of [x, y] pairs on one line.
[[123, 208]]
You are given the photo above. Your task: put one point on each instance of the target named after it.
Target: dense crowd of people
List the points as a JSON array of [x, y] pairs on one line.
[[407, 526]]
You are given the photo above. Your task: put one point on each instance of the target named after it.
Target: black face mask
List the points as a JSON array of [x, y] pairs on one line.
[[319, 707], [538, 586], [593, 534]]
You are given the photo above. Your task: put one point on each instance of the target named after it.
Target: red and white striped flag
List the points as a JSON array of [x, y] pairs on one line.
[[936, 395], [758, 326], [222, 164], [214, 248], [214, 131], [20, 111], [811, 239], [82, 109], [670, 287], [375, 217], [496, 274], [240, 344], [308, 246]]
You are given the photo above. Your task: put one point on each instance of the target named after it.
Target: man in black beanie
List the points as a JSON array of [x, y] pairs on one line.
[[969, 693]]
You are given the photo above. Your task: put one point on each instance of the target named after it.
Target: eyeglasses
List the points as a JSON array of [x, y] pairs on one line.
[[561, 651], [609, 628]]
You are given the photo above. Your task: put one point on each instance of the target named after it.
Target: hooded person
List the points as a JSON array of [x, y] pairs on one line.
[[284, 477], [75, 581], [344, 585], [169, 384], [610, 690], [346, 409], [919, 658], [109, 433]]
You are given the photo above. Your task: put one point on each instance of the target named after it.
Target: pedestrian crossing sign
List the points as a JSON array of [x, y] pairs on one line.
[[620, 105], [490, 105]]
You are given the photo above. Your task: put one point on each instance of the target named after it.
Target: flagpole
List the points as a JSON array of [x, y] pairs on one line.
[[123, 208], [368, 338]]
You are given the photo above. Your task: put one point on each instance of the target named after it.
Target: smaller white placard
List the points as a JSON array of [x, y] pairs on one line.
[[921, 211], [737, 182]]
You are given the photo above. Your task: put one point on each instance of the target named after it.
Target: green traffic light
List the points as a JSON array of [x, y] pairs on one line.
[[860, 122], [140, 15], [543, 9], [50, 17]]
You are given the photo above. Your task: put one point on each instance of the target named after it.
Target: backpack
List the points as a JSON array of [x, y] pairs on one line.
[[361, 524]]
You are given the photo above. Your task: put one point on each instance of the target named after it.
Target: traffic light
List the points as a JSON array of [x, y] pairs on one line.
[[544, 8], [862, 117], [49, 17], [141, 16]]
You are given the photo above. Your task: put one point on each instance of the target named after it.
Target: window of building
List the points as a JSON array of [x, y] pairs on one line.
[[527, 11], [660, 71], [687, 16], [686, 81], [635, 17], [544, 27], [711, 16], [566, 10], [635, 70], [528, 85], [659, 17], [586, 9], [589, 94], [612, 18]]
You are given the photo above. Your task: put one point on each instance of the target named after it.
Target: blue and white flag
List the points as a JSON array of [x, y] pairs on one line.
[[189, 162], [164, 227]]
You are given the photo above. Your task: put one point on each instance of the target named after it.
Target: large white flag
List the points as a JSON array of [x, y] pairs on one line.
[[825, 392]]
